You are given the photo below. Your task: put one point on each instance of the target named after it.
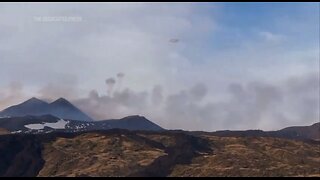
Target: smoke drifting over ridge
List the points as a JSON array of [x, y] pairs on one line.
[[12, 94], [257, 105], [110, 83]]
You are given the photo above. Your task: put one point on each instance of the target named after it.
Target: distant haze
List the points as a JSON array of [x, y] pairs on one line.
[[192, 66]]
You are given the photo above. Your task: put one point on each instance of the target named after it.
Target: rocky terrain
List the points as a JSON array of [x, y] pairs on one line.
[[254, 156], [4, 131], [148, 153]]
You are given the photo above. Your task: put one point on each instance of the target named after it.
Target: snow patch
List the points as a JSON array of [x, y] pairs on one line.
[[15, 132], [34, 126], [61, 124], [2, 117]]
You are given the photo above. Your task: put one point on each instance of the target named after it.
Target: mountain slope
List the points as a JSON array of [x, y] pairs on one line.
[[166, 153], [32, 106], [49, 123], [60, 108], [254, 157], [133, 123], [295, 132], [64, 109], [309, 132]]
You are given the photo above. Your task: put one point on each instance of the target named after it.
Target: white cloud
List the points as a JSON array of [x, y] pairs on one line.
[[131, 38], [71, 59], [271, 37]]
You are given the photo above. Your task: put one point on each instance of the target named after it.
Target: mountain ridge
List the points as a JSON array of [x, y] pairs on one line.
[[61, 108], [49, 123], [291, 132]]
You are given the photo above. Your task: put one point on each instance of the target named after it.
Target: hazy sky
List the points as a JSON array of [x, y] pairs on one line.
[[196, 66]]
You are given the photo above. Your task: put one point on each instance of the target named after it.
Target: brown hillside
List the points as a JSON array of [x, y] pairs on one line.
[[132, 153], [4, 131], [254, 156]]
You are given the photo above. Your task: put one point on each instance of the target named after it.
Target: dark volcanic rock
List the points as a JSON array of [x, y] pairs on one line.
[[20, 155]]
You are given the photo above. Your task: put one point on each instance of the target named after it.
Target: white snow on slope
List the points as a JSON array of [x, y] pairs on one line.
[[61, 124], [2, 117], [15, 132]]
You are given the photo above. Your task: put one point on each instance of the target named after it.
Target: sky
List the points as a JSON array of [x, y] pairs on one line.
[[191, 66]]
